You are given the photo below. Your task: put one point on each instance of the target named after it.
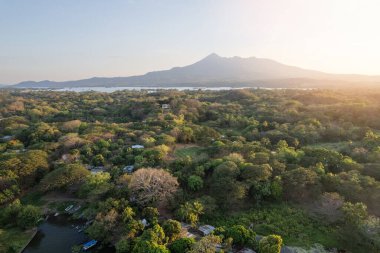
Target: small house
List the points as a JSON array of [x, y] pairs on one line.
[[97, 170], [7, 138], [128, 169], [137, 146], [206, 229], [246, 250], [165, 106]]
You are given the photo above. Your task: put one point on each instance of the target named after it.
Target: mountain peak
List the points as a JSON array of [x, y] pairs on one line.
[[212, 56]]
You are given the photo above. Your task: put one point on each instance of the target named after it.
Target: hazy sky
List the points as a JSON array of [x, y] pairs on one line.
[[74, 39]]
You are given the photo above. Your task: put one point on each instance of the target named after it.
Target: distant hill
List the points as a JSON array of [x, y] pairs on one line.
[[215, 70]]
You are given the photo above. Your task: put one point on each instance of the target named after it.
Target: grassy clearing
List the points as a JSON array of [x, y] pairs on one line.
[[294, 225], [14, 239], [187, 151]]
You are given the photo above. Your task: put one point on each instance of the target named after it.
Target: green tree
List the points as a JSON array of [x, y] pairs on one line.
[[195, 183], [123, 246], [143, 246], [151, 214], [190, 212], [98, 160], [181, 245], [270, 244], [172, 229], [127, 214], [63, 177], [206, 245], [28, 216], [96, 184], [240, 235]]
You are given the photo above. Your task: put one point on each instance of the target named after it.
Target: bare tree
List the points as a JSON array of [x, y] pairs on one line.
[[152, 186]]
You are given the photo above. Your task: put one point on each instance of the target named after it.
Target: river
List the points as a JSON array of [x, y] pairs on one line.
[[58, 235]]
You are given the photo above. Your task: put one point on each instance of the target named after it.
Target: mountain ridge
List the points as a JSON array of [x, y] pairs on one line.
[[213, 70]]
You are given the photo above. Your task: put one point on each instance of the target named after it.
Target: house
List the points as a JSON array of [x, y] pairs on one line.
[[137, 146], [206, 229], [128, 169], [6, 138], [96, 170], [165, 106], [246, 250]]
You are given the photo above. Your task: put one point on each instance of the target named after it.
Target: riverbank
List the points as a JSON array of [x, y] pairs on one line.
[[15, 239]]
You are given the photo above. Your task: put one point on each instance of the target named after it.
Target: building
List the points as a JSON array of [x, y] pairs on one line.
[[6, 138], [246, 250], [165, 106], [206, 229], [137, 146], [96, 170]]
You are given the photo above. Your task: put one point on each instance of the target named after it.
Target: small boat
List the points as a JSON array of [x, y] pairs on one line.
[[89, 222], [56, 214], [89, 244], [69, 207], [75, 209]]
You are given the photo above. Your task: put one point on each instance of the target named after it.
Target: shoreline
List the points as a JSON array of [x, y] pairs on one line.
[[35, 231]]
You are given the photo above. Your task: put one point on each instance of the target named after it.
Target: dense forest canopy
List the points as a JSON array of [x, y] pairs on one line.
[[292, 167]]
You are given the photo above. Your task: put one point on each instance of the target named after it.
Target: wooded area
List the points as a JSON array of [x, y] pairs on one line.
[[266, 168]]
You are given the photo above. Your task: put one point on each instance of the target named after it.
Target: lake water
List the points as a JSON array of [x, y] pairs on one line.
[[112, 89], [58, 235]]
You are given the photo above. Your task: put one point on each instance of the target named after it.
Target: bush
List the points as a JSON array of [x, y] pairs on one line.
[[270, 244], [181, 245]]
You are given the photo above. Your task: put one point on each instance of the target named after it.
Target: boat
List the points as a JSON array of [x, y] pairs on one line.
[[75, 209], [89, 244], [56, 214], [69, 207]]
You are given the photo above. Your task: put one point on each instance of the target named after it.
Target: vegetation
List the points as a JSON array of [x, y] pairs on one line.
[[265, 167]]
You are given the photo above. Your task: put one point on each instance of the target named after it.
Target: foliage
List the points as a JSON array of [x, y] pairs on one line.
[[28, 216], [181, 245], [302, 164], [206, 245], [270, 244], [65, 176], [190, 212], [172, 229]]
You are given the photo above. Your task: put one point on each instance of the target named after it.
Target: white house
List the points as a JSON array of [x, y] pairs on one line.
[[137, 146]]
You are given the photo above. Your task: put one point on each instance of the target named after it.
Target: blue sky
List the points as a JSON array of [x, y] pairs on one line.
[[74, 39]]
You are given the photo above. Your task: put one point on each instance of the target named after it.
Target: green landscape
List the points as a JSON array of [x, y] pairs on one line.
[[196, 171]]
